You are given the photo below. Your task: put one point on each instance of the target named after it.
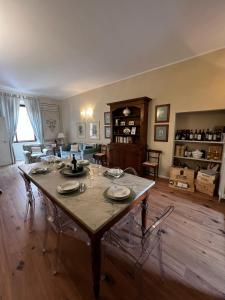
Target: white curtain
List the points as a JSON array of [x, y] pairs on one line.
[[9, 109], [34, 113]]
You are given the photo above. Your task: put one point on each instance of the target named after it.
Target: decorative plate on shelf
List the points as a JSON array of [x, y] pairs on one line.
[[126, 130]]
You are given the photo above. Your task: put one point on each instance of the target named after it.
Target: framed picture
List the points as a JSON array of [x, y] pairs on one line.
[[107, 132], [81, 130], [161, 133], [162, 113], [107, 118], [93, 130], [131, 123], [122, 123], [133, 130]]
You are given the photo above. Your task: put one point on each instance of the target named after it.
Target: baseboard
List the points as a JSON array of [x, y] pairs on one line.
[[164, 177]]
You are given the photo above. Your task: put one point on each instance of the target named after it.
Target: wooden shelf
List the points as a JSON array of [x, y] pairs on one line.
[[199, 142], [199, 159], [126, 125], [130, 116], [122, 134]]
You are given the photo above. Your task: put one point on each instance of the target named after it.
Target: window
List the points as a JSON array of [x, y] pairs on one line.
[[24, 131]]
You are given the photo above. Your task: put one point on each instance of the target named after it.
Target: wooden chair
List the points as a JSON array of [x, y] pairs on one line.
[[152, 163], [101, 157]]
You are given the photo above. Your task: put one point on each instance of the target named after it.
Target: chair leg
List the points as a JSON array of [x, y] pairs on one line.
[[58, 252], [162, 273]]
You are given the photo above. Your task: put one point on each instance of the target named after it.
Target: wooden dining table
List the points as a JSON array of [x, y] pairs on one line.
[[91, 210]]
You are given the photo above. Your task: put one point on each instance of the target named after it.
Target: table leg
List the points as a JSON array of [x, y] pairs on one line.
[[144, 215], [96, 265]]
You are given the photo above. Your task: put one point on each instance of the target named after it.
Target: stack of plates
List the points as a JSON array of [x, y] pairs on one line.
[[115, 172], [83, 162], [118, 192], [68, 187], [39, 170]]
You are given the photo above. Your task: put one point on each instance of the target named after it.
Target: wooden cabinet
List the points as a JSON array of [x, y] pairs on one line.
[[128, 144]]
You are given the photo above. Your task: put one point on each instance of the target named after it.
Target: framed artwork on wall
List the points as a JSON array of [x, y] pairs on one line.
[[107, 132], [107, 118], [162, 113], [81, 130], [93, 130], [161, 133]]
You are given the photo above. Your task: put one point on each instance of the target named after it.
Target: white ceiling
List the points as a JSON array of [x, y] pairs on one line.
[[59, 48]]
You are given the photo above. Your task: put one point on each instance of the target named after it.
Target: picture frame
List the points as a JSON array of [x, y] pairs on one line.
[[93, 130], [122, 123], [107, 130], [162, 113], [81, 130], [131, 123], [133, 131], [107, 120], [161, 133]]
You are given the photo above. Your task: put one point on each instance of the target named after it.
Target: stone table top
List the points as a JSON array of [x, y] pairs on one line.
[[89, 208]]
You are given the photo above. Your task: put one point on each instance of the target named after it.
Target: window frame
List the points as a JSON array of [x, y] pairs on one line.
[[15, 140]]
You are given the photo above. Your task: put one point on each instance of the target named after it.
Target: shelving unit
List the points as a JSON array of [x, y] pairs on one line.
[[199, 159], [127, 149]]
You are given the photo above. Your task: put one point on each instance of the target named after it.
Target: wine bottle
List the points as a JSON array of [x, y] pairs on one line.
[[177, 136], [219, 135], [191, 136], [214, 137], [207, 135], [195, 135], [74, 163], [199, 135], [210, 135], [203, 135]]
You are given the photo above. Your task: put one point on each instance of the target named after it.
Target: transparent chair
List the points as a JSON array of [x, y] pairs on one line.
[[131, 171], [136, 244], [30, 202], [57, 220]]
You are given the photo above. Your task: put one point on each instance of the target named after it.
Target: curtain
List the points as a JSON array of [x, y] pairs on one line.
[[34, 113], [9, 109]]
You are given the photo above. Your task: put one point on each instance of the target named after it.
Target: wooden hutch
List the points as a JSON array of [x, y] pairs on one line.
[[129, 125]]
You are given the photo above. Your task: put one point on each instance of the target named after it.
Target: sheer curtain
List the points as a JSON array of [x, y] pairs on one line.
[[9, 109], [34, 113]]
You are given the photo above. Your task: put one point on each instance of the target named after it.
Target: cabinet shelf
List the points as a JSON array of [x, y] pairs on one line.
[[130, 116], [122, 134], [199, 159], [200, 142]]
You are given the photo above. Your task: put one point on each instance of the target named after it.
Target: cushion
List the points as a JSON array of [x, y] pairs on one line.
[[35, 149], [74, 148], [150, 164]]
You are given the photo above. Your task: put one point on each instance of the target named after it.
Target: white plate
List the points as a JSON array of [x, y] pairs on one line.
[[68, 187], [118, 192], [83, 162], [39, 170], [115, 172]]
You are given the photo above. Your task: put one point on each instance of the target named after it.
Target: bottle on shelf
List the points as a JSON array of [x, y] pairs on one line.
[[203, 135], [214, 137], [199, 137], [207, 135], [186, 151], [219, 135], [177, 136], [188, 134], [191, 136], [196, 135], [210, 135], [209, 154], [183, 135]]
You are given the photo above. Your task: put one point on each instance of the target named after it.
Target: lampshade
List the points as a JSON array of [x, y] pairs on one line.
[[61, 135]]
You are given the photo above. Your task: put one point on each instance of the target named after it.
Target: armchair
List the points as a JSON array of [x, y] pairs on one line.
[[34, 152]]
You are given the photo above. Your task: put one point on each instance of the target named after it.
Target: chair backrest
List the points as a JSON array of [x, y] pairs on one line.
[[153, 155], [104, 149], [131, 171], [159, 220]]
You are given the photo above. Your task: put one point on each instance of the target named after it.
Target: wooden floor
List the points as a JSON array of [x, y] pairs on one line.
[[193, 253]]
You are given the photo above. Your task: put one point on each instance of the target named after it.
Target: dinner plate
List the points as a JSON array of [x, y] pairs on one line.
[[118, 192], [68, 187], [68, 172], [39, 170], [83, 162], [115, 172]]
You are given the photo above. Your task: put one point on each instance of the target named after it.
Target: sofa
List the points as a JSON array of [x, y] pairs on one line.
[[34, 152], [81, 150]]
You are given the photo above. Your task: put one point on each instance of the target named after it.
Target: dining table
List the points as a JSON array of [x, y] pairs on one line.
[[91, 210]]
